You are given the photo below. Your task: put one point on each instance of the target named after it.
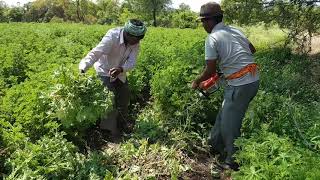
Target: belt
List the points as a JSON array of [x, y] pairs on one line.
[[250, 68]]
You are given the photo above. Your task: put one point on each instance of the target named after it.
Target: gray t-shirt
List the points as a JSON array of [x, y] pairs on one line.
[[230, 48]]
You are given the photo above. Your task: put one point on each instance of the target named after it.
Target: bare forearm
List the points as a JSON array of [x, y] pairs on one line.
[[206, 74], [209, 70]]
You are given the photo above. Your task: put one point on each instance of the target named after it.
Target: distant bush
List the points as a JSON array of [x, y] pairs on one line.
[[56, 19]]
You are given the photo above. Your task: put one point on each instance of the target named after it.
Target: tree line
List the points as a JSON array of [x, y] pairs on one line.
[[153, 12], [300, 18]]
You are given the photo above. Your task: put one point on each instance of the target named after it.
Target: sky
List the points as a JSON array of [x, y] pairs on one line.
[[194, 4]]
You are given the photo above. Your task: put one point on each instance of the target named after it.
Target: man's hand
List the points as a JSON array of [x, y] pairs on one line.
[[114, 72], [195, 84], [209, 70]]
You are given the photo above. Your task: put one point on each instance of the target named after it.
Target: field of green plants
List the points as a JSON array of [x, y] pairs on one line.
[[47, 109]]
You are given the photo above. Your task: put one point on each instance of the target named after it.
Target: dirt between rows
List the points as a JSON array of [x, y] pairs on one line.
[[315, 59], [203, 166], [315, 45]]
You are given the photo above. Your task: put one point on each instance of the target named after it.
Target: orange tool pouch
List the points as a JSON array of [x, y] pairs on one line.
[[250, 68]]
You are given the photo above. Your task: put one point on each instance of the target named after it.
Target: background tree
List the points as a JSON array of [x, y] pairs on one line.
[[184, 17], [156, 12], [127, 14], [54, 9], [3, 8], [108, 11], [299, 17], [15, 14], [43, 10], [149, 8], [90, 12], [81, 8], [184, 7]]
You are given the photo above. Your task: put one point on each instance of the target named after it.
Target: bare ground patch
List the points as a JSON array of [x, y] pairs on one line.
[[315, 57], [315, 45]]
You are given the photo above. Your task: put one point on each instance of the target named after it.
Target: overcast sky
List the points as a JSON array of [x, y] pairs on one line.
[[194, 4]]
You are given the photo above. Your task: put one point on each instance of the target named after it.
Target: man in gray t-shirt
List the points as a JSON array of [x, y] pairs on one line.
[[228, 49]]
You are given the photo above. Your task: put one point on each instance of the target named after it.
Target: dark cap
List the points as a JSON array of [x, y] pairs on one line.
[[210, 9]]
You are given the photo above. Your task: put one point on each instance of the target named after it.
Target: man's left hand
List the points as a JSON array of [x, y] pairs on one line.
[[195, 84], [114, 72]]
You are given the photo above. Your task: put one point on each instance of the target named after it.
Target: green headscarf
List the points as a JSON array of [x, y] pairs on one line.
[[134, 30]]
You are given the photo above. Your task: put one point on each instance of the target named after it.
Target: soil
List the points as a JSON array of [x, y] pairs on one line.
[[315, 57], [315, 45], [203, 165], [200, 167]]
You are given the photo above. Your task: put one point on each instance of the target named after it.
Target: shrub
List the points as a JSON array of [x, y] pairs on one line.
[[267, 156], [77, 101], [24, 106], [56, 19], [49, 157], [171, 89]]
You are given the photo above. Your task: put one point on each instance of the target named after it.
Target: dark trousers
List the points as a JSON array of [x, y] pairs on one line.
[[229, 119], [117, 120]]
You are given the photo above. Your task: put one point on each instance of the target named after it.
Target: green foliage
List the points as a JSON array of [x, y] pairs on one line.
[[55, 158], [96, 165], [292, 76], [2, 147], [183, 105], [188, 50], [284, 117], [115, 12], [149, 8], [15, 14], [42, 102], [150, 126], [13, 65], [126, 14], [289, 101], [108, 12], [300, 17], [266, 156], [56, 19], [50, 157], [3, 8], [187, 116], [258, 37], [12, 137], [78, 102], [24, 106], [184, 19]]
